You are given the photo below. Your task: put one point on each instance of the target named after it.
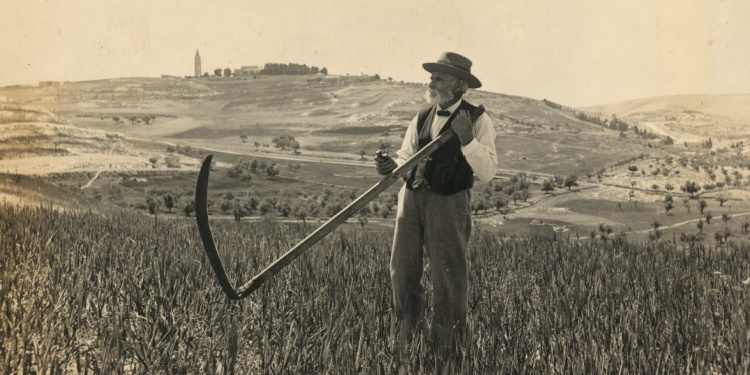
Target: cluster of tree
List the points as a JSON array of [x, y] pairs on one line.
[[620, 125], [690, 187], [559, 182], [707, 144], [656, 234], [239, 169], [616, 124], [498, 195], [552, 104], [583, 116], [721, 236], [301, 206], [330, 202], [291, 69], [720, 158], [489, 197], [146, 119], [647, 134], [604, 234], [286, 141], [623, 162], [227, 72], [156, 198], [184, 150], [604, 231], [243, 168]]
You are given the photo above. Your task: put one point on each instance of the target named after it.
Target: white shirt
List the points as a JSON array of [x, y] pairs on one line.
[[480, 153]]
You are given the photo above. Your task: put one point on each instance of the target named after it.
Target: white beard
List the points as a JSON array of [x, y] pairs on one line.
[[436, 97]]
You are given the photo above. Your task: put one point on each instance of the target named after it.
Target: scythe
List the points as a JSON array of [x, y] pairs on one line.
[[244, 290]]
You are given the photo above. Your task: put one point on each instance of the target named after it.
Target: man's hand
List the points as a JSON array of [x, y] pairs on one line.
[[462, 126], [384, 163]]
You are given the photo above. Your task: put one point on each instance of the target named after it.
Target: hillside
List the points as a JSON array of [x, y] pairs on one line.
[[331, 117], [690, 118], [120, 141], [733, 105]]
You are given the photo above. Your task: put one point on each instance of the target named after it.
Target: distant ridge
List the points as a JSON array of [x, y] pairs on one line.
[[736, 106]]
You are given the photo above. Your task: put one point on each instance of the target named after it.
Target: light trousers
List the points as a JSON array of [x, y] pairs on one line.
[[441, 226]]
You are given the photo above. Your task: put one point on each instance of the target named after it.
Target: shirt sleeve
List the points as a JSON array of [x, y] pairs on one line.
[[481, 153], [409, 146]]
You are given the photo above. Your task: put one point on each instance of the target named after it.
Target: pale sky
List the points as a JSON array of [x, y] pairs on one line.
[[577, 52]]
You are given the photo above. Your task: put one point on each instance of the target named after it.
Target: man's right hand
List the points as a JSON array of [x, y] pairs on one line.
[[384, 163]]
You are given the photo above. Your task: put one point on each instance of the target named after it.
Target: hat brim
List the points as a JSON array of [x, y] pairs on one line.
[[456, 72]]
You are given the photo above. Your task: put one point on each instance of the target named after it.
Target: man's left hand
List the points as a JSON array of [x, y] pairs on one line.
[[462, 126]]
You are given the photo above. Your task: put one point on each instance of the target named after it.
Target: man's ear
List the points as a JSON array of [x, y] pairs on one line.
[[460, 86]]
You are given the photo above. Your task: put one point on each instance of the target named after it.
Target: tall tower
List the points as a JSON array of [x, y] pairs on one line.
[[197, 64]]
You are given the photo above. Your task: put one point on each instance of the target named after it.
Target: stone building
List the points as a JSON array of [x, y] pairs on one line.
[[247, 71]]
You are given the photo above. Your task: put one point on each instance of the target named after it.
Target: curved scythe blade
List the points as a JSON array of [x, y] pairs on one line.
[[201, 215]]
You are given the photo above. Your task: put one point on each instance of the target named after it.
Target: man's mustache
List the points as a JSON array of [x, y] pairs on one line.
[[435, 96]]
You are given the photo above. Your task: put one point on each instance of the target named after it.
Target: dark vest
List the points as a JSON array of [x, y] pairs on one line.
[[446, 170]]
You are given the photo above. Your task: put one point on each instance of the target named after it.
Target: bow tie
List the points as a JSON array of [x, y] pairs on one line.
[[443, 113]]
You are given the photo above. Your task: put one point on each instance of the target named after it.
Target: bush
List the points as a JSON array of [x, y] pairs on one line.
[[172, 161]]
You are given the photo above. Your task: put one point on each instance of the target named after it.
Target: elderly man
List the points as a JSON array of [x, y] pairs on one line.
[[434, 206]]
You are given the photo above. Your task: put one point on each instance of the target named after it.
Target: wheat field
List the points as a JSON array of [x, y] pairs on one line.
[[92, 293]]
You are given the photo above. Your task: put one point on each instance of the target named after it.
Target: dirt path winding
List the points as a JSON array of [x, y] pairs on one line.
[[92, 180]]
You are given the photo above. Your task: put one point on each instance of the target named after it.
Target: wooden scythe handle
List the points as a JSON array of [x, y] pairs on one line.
[[201, 214]]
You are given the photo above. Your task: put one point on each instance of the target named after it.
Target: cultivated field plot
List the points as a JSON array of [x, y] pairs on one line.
[[561, 153], [115, 293]]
